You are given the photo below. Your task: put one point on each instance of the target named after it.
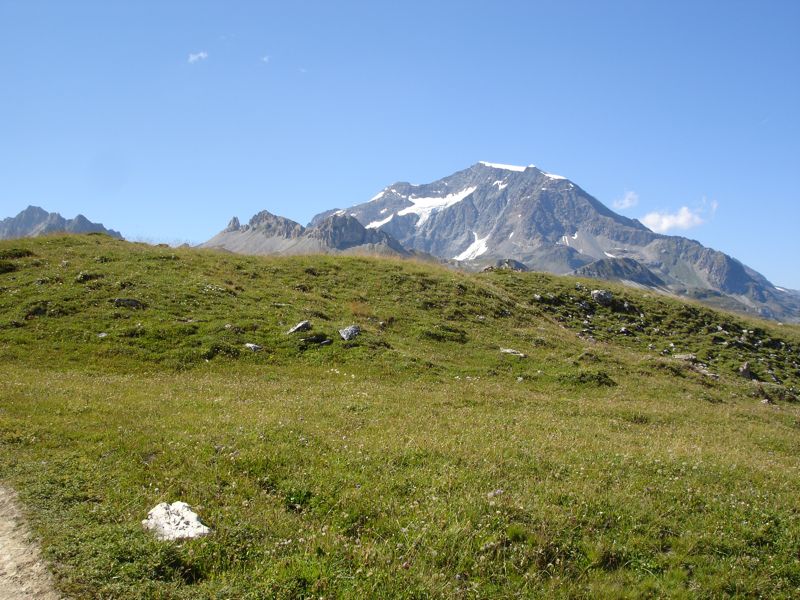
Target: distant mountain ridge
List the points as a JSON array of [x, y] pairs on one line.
[[35, 221], [338, 233]]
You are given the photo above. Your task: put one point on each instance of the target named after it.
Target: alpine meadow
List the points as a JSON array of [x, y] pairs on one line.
[[500, 434]]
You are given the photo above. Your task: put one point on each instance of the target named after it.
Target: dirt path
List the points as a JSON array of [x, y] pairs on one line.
[[22, 572]]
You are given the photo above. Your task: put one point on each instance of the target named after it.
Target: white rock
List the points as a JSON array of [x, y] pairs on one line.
[[174, 521], [301, 326], [253, 347], [513, 352]]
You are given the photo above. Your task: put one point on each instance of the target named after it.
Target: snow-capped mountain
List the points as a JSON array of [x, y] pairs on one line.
[[493, 211], [35, 221]]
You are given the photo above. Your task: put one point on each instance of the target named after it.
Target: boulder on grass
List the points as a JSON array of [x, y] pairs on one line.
[[176, 521]]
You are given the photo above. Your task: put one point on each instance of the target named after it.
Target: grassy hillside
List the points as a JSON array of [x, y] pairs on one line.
[[417, 460]]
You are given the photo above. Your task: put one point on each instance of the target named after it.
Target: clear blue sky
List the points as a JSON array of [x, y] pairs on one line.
[[165, 118]]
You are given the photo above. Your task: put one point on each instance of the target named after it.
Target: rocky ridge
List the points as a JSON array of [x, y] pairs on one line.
[[35, 221]]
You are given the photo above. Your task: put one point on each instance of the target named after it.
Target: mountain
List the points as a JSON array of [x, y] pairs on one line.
[[492, 211], [35, 221], [336, 233]]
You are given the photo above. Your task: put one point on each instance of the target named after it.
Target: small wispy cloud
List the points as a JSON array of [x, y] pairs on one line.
[[265, 59], [685, 218], [661, 222], [197, 56], [629, 200]]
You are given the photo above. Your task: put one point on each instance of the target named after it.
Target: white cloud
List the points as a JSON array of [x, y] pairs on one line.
[[629, 200], [685, 218], [197, 56], [265, 59]]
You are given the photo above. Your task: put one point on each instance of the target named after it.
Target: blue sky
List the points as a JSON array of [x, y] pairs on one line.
[[164, 119]]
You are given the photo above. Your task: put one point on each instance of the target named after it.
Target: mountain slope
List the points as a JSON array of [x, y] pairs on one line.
[[490, 211], [35, 221]]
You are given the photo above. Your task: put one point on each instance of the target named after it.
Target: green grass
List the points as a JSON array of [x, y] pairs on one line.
[[372, 468]]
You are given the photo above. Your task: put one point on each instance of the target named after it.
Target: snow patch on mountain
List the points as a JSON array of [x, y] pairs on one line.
[[424, 207], [475, 249], [376, 224], [504, 167]]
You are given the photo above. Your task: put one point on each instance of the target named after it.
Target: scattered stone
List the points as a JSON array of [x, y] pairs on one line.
[[317, 338], [350, 332], [84, 277], [253, 347], [129, 303], [102, 335], [692, 358], [513, 352], [494, 493], [624, 331], [176, 521], [602, 297], [506, 264], [301, 326], [745, 371]]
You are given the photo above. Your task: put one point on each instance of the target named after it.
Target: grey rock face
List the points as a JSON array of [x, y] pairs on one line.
[[35, 221], [233, 225]]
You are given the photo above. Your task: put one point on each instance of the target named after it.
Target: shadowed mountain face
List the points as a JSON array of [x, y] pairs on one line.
[[336, 234], [35, 221], [489, 212]]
